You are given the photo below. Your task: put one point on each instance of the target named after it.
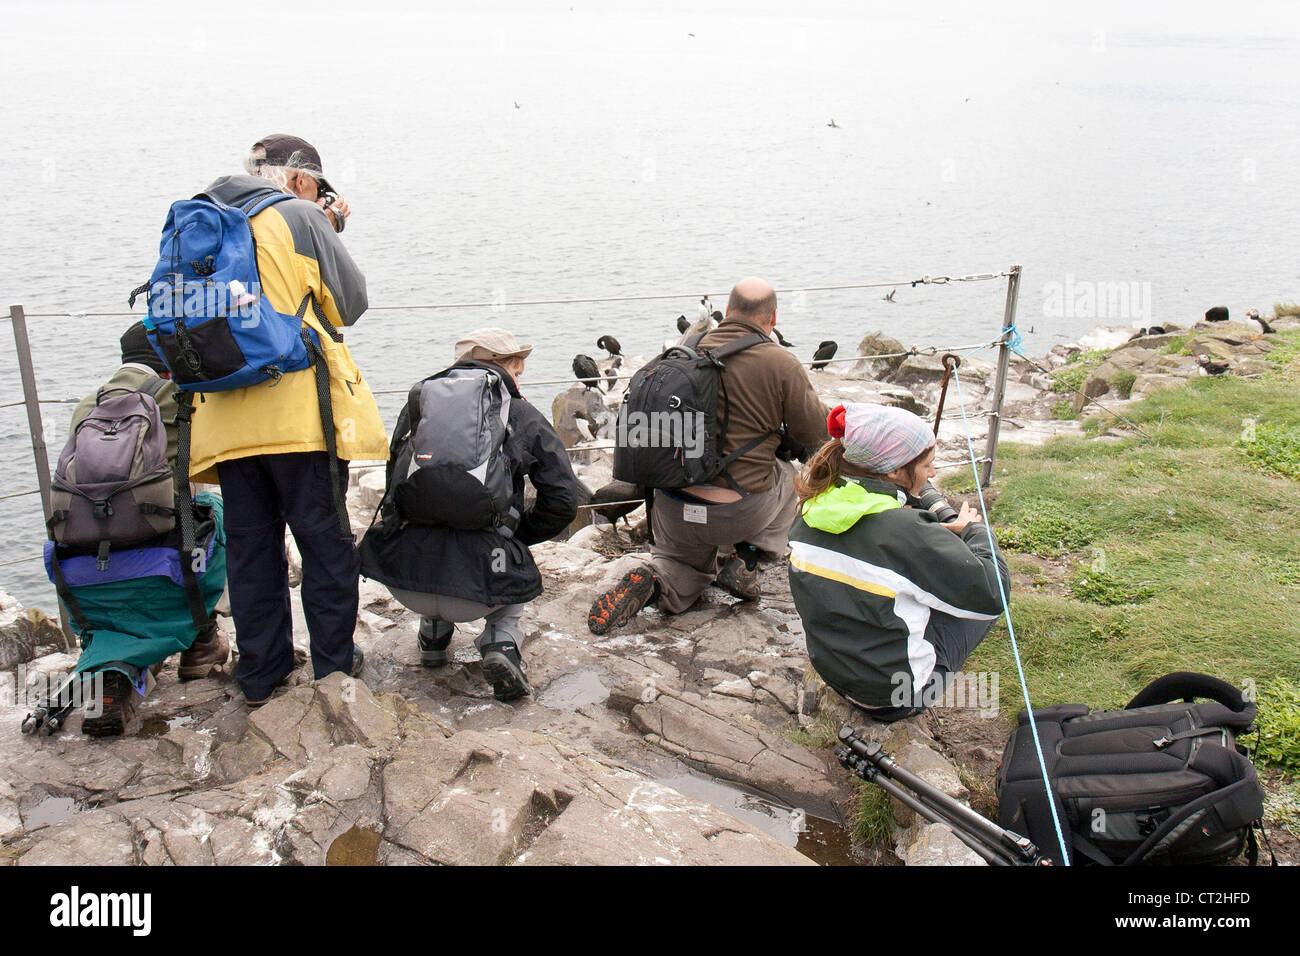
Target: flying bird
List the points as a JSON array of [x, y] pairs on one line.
[[824, 351], [890, 296], [832, 124]]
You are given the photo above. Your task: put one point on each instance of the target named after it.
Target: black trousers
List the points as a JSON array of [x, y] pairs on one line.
[[262, 494]]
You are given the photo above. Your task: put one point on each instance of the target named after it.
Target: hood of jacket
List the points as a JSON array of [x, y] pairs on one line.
[[239, 189], [838, 509]]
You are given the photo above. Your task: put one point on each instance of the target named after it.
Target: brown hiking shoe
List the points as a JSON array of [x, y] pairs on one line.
[[735, 578], [201, 659], [621, 603], [117, 705]]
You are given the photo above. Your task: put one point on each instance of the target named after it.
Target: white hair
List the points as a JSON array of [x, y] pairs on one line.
[[255, 163]]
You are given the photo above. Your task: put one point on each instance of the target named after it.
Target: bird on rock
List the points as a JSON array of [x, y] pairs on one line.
[[824, 352]]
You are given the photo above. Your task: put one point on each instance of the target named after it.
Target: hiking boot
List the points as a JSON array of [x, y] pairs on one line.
[[737, 579], [204, 657], [434, 639], [621, 603], [504, 670], [119, 703]]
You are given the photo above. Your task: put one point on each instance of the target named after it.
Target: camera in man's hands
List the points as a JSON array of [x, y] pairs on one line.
[[329, 199]]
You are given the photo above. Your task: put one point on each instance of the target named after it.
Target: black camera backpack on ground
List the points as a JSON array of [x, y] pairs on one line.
[[1155, 783], [669, 434]]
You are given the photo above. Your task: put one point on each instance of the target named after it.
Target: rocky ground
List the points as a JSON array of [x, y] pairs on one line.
[[668, 741]]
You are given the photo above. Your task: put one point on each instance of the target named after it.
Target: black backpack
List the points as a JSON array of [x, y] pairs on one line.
[[1155, 783], [669, 435]]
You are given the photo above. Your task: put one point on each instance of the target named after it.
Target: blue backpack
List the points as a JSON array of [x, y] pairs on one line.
[[214, 328], [208, 318]]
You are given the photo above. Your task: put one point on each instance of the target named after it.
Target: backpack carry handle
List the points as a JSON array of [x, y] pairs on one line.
[[1189, 685]]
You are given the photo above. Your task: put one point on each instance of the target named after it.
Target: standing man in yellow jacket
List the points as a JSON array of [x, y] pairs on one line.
[[266, 443]]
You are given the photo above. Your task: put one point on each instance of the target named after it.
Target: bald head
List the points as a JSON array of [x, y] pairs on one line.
[[753, 299]]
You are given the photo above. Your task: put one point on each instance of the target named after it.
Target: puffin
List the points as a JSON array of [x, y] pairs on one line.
[[824, 351], [1253, 319], [1209, 366]]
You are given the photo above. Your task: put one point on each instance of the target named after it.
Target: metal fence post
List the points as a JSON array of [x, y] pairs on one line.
[[23, 346], [1000, 377]]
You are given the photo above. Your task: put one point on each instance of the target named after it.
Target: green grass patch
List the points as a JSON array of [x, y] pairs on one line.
[[1200, 567], [873, 816], [1123, 382], [1279, 725], [1064, 410], [1038, 528], [1071, 376], [1272, 449], [1178, 345], [1103, 587]]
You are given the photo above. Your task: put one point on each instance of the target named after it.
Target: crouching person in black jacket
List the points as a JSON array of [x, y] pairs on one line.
[[454, 537]]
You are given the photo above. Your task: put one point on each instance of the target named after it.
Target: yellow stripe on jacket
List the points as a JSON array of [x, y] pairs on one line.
[[276, 418], [841, 577]]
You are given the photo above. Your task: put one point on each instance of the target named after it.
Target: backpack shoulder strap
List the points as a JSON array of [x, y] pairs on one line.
[[739, 345], [251, 207], [152, 386]]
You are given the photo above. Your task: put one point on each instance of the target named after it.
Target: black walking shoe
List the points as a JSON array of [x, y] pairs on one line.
[[117, 706], [504, 670], [434, 639], [621, 603]]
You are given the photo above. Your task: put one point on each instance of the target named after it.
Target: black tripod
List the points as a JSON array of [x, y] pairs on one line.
[[998, 846]]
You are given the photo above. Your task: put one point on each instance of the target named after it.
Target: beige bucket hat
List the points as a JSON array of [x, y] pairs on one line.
[[490, 345]]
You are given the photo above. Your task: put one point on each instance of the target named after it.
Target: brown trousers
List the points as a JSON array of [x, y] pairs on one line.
[[687, 553]]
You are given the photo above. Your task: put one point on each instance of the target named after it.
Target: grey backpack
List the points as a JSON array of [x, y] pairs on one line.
[[113, 484], [453, 470]]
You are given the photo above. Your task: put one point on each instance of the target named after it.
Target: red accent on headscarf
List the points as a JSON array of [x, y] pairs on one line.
[[835, 422]]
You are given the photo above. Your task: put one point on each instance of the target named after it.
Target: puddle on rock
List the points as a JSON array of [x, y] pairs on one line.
[[49, 811], [157, 726], [822, 841], [571, 691], [358, 846]]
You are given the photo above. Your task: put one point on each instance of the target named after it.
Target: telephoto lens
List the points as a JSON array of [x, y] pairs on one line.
[[933, 501]]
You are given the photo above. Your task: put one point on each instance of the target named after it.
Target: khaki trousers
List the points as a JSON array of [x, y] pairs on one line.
[[691, 539]]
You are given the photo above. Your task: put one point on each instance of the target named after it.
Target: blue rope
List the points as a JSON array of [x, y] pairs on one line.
[[1006, 608]]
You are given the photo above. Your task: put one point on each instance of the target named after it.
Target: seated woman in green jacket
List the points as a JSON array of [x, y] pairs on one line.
[[892, 600]]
